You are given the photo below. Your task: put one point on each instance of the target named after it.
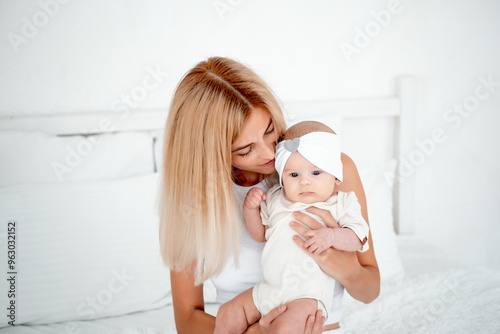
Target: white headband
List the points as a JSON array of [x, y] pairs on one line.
[[322, 149]]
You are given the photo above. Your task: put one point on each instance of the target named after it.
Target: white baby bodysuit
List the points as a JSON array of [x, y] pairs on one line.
[[290, 273]]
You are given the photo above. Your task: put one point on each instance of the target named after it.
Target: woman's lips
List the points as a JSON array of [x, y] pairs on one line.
[[270, 163]]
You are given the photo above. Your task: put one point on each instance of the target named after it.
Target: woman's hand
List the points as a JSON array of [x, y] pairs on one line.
[[319, 240], [265, 322], [337, 264], [314, 324]]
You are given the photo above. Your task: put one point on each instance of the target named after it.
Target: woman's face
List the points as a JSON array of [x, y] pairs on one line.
[[253, 150]]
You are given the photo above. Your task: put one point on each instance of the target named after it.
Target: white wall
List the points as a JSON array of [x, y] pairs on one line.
[[87, 55]]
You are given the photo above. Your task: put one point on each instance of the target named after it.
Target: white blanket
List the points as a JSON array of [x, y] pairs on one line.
[[436, 296], [449, 301]]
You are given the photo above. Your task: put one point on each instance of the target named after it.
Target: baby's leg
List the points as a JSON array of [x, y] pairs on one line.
[[237, 314], [295, 317]]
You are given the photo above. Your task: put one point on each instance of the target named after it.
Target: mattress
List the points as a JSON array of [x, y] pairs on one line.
[[438, 294]]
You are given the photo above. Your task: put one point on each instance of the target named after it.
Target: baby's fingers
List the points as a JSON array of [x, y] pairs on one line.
[[325, 215], [309, 243], [299, 228]]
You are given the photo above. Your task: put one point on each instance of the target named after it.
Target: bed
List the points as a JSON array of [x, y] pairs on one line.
[[78, 196]]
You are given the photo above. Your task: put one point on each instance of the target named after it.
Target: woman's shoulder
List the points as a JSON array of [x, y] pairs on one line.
[[351, 180], [347, 195]]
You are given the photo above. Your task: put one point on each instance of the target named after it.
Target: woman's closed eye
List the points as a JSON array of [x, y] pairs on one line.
[[246, 153], [270, 131]]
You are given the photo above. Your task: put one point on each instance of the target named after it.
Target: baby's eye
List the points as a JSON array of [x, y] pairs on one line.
[[316, 172], [294, 174]]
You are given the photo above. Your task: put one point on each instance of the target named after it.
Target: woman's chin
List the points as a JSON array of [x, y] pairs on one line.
[[267, 169]]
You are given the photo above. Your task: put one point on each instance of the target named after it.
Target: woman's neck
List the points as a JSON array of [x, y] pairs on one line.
[[247, 179]]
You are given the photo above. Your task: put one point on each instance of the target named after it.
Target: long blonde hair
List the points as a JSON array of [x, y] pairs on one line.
[[199, 226]]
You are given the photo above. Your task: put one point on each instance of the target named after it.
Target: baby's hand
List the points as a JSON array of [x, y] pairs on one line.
[[320, 240], [253, 199]]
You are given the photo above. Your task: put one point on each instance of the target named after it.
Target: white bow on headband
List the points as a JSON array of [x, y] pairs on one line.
[[322, 149]]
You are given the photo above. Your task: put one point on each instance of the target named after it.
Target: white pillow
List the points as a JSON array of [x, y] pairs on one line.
[[84, 250], [379, 197], [37, 157], [158, 149]]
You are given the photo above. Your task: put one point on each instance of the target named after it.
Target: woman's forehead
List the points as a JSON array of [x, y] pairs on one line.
[[255, 126]]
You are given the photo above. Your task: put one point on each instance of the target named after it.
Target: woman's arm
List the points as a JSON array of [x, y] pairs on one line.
[[357, 272], [189, 306]]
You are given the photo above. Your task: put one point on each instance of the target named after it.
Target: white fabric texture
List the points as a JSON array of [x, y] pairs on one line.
[[37, 157], [443, 298], [379, 197], [85, 250], [322, 149], [290, 273], [448, 301], [232, 281]]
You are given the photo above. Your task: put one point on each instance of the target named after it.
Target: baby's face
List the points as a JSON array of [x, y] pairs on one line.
[[303, 182]]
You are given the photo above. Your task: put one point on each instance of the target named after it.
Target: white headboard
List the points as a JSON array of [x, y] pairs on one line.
[[391, 119]]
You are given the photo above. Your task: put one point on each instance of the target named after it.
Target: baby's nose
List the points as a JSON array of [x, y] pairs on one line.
[[305, 181]]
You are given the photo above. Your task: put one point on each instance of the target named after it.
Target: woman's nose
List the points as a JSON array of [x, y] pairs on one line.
[[268, 151]]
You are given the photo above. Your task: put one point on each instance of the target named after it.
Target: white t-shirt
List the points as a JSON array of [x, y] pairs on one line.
[[232, 281]]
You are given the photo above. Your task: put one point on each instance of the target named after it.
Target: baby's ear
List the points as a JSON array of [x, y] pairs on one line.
[[337, 181]]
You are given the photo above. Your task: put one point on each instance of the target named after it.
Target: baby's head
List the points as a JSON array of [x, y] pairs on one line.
[[308, 162]]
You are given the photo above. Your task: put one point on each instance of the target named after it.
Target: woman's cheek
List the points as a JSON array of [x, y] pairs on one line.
[[241, 162]]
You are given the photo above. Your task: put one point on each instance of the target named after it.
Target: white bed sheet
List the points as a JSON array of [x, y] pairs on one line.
[[438, 295]]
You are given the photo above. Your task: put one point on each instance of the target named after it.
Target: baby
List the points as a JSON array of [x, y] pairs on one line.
[[309, 167]]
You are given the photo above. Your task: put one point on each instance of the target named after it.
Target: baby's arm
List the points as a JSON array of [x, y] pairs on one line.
[[339, 238], [353, 234], [251, 214]]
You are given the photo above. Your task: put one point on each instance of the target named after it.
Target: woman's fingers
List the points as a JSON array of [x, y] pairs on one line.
[[309, 324], [307, 220], [299, 242], [325, 215], [266, 320], [299, 228], [314, 324], [318, 323]]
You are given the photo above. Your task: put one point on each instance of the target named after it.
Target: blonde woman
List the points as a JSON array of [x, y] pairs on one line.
[[220, 137]]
